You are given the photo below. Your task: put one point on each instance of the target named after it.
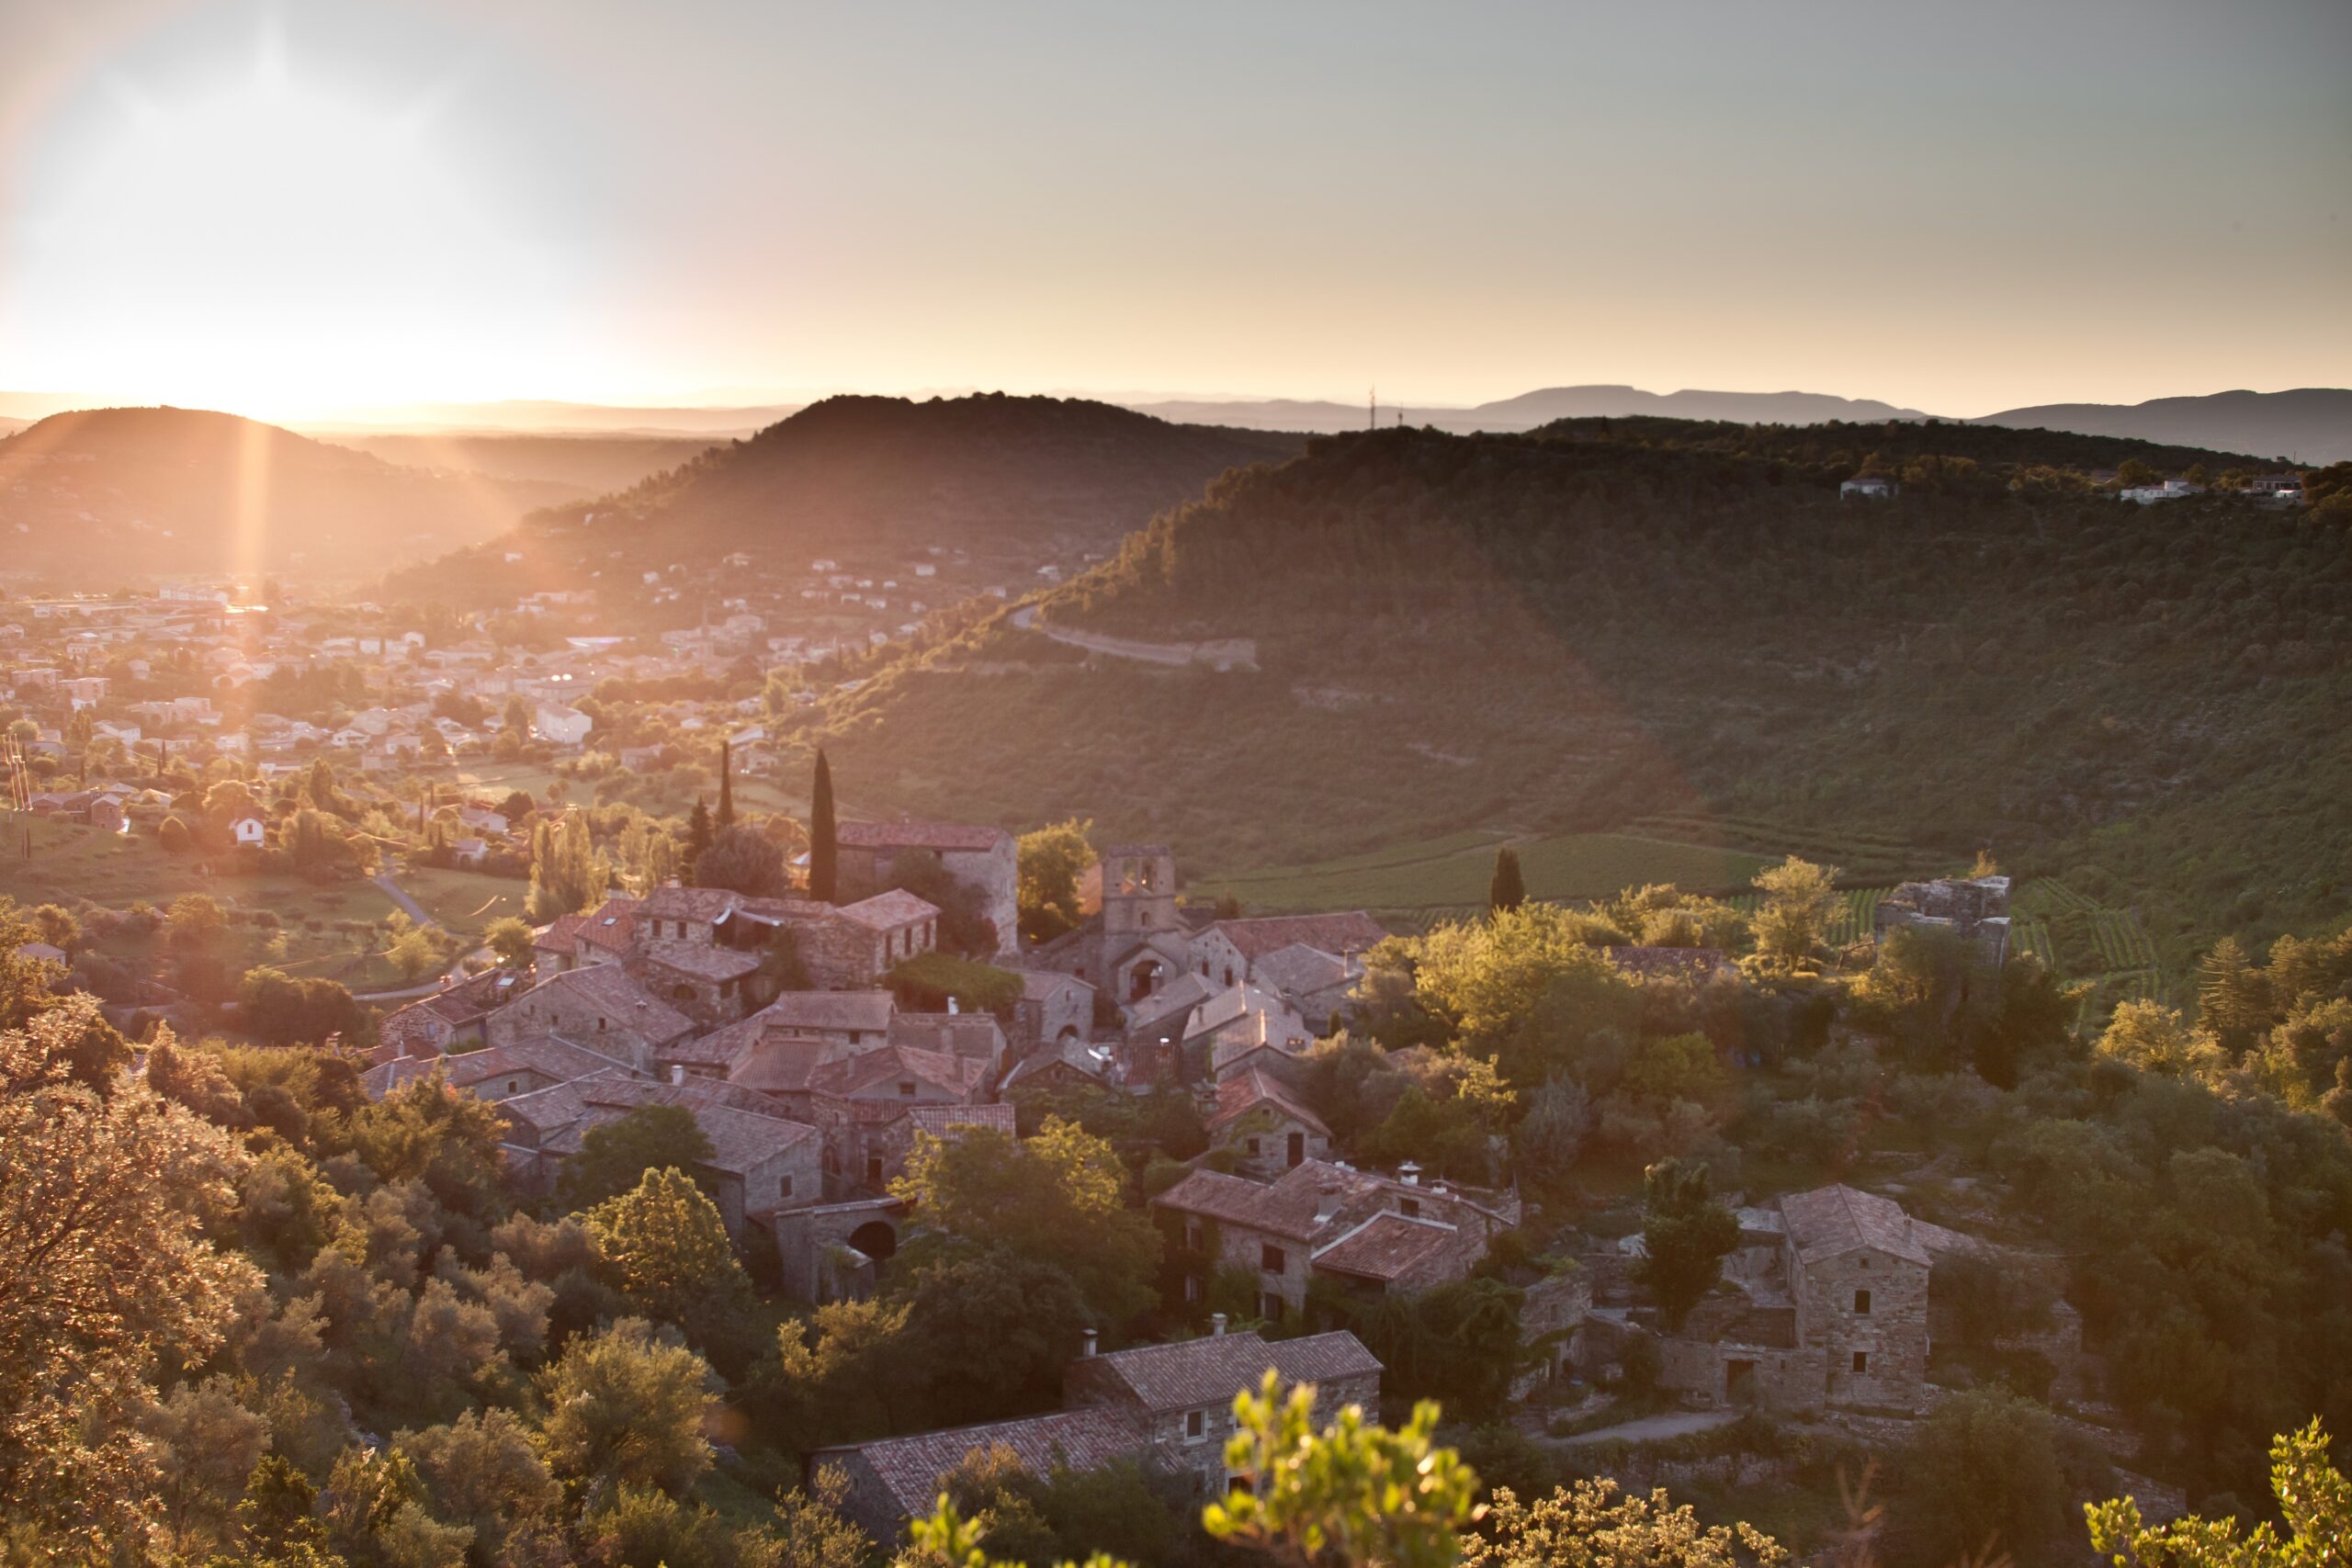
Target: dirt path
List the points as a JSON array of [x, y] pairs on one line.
[[409, 907], [1652, 1428]]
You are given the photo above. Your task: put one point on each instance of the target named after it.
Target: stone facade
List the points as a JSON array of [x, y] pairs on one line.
[[1975, 909], [987, 858]]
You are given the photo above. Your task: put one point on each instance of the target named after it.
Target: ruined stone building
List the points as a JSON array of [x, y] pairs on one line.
[[1975, 909]]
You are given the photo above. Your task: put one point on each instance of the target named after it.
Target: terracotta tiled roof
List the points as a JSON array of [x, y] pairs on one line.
[[910, 1467], [1349, 932], [1211, 1370], [612, 928], [1300, 970], [890, 909], [1342, 1196], [942, 836], [543, 1054], [780, 1064], [1831, 1220], [973, 1034], [1386, 1246], [561, 934], [1244, 1093], [803, 1011], [625, 1002]]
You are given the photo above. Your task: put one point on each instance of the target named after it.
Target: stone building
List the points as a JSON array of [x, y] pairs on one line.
[[1975, 909], [1368, 1234], [1265, 1127], [988, 858], [1168, 1409], [599, 1007]]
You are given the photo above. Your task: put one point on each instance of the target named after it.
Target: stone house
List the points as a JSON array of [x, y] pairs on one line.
[[1266, 1128], [1168, 1409], [600, 1008], [451, 1019], [496, 1072], [988, 858], [1053, 1008], [1367, 1234], [1974, 910]]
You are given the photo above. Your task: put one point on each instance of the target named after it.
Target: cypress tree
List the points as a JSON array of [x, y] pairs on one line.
[[823, 853], [697, 833], [726, 784], [1508, 889]]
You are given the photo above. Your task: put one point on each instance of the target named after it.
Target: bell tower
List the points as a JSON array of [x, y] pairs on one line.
[[1139, 890]]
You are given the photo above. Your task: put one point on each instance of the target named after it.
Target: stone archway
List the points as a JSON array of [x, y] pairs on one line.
[[878, 1239]]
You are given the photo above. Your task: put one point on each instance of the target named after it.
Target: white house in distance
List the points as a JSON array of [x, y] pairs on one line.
[[561, 726], [2171, 490], [1868, 487], [247, 829]]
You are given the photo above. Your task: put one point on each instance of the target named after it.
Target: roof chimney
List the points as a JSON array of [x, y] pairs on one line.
[[1086, 1341], [1216, 1323], [1326, 1202], [952, 1007], [677, 1072], [1409, 1174]]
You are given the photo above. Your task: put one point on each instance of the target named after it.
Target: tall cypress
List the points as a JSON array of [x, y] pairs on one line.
[[697, 834], [726, 784], [823, 853], [1507, 890]]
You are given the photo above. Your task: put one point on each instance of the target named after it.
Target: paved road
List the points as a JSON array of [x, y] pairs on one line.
[[409, 907], [1653, 1429]]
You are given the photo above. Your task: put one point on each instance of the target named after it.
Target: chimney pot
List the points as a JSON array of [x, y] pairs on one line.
[[1216, 1323], [677, 1072], [1409, 1174], [1087, 1339]]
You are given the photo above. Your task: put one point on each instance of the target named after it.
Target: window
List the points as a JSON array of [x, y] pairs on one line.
[[1271, 1259], [1196, 1424], [1862, 1302], [1192, 1287], [906, 1088], [872, 1167], [1253, 1148], [1862, 1361], [510, 1086], [784, 1186], [853, 1035], [1270, 1307], [1409, 1207], [1191, 1236]]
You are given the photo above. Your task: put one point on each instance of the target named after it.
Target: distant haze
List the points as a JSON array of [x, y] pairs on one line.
[[308, 212]]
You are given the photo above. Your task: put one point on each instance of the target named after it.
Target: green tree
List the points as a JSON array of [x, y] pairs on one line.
[[824, 851], [1058, 1198], [105, 1271], [1592, 1524], [1053, 858], [1506, 889], [2314, 1503], [994, 1329], [664, 1246], [414, 953], [1983, 1469], [628, 1407], [1686, 1234], [726, 815], [510, 937], [482, 1472], [745, 861], [614, 1156], [1799, 898]]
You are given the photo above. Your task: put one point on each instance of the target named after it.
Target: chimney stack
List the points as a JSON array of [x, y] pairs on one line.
[[952, 1008], [1216, 1323], [1326, 1202], [1086, 1342], [1409, 1174], [677, 1072]]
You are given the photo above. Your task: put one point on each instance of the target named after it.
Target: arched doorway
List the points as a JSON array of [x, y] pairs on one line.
[[1145, 978], [876, 1239]]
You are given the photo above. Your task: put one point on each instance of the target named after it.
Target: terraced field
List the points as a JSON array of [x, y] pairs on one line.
[[2083, 940], [1853, 921], [1413, 884]]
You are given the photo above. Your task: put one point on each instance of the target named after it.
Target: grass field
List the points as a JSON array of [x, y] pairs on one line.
[[1437, 876], [462, 901]]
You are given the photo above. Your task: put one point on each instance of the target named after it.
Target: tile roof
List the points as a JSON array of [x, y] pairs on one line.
[[1244, 1093], [1076, 1054], [625, 1002], [1301, 970], [1386, 1247], [611, 927], [1350, 932], [973, 1034], [940, 1119], [1344, 1196], [704, 904], [892, 1063], [910, 1467], [781, 1063], [1835, 1219], [889, 909], [858, 1011], [1211, 1370], [544, 1054], [561, 934], [947, 836], [704, 960]]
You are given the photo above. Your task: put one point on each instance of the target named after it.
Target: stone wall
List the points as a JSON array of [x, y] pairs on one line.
[[1891, 1337]]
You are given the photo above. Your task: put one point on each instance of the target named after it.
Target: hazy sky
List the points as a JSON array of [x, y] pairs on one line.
[[1958, 207]]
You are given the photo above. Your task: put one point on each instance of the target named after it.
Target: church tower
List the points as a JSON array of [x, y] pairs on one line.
[[1138, 891]]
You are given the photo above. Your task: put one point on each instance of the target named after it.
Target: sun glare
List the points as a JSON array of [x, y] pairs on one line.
[[277, 246]]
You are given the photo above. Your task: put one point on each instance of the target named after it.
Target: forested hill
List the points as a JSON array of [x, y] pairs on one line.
[[859, 473], [1460, 632], [94, 498]]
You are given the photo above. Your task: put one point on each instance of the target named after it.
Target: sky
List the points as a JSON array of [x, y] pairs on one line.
[[290, 209]]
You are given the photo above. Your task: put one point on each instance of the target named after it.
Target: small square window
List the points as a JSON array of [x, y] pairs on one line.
[[783, 1187], [1272, 1261], [1254, 1150], [1408, 1207], [1192, 1290], [1196, 1424], [1863, 1303], [1191, 1236], [906, 1088], [1270, 1307], [1862, 1361]]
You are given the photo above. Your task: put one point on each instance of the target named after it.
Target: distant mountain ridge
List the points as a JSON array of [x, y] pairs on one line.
[[2309, 425], [1019, 475], [93, 497], [1529, 410]]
